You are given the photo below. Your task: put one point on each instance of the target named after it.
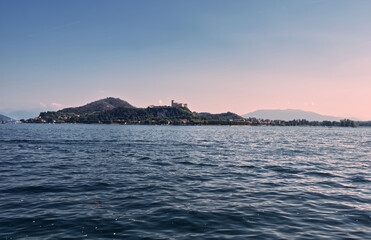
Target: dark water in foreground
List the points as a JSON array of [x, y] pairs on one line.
[[168, 182]]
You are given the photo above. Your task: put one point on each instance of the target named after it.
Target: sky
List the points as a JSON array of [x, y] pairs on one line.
[[217, 56]]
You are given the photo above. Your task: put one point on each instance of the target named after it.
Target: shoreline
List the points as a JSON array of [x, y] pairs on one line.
[[230, 125]]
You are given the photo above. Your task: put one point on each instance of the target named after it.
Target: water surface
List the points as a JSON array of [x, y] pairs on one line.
[[184, 182]]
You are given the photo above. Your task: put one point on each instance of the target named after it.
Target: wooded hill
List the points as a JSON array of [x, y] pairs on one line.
[[115, 110]]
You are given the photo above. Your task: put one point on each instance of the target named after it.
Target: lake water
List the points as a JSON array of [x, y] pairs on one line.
[[184, 182]]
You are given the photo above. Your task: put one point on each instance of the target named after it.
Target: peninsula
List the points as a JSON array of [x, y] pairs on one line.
[[116, 111]]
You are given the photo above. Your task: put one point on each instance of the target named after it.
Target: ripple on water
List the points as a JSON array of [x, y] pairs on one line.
[[168, 182]]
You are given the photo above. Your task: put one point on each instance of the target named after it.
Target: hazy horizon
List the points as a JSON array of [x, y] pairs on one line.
[[217, 56]]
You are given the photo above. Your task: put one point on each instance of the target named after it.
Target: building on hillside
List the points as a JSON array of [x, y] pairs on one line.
[[175, 104]]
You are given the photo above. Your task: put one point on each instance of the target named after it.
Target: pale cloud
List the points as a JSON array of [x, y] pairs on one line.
[[51, 105], [160, 102], [56, 105]]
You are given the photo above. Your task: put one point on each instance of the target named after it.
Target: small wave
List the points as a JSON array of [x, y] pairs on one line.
[[19, 141], [334, 184], [187, 163], [207, 165], [248, 166], [281, 169], [33, 189], [96, 186], [321, 174], [359, 179], [162, 163]]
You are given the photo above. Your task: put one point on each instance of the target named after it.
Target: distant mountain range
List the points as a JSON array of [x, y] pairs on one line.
[[6, 119], [20, 114], [290, 114]]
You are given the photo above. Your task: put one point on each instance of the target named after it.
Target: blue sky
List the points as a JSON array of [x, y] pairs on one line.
[[216, 56]]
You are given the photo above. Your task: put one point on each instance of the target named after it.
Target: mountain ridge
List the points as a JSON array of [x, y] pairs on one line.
[[6, 119], [289, 114]]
